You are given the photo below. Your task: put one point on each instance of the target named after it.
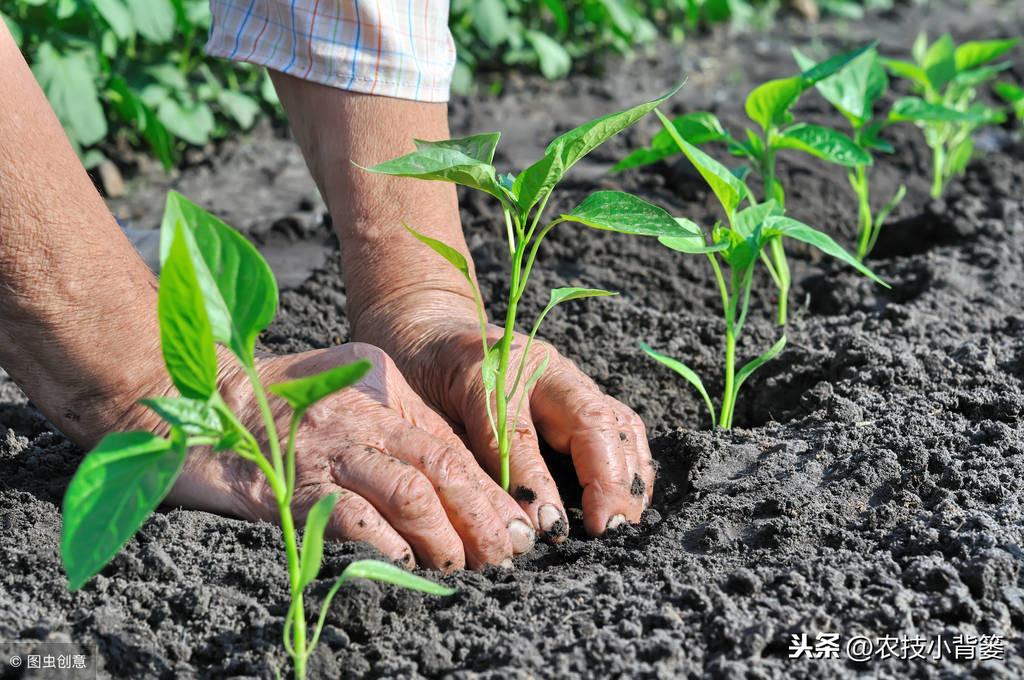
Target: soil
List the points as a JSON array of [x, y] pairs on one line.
[[873, 485]]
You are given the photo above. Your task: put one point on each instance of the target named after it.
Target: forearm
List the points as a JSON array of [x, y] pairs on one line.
[[77, 305], [388, 273]]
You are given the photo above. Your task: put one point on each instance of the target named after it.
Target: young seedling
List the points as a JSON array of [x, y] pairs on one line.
[[946, 78], [769, 106], [215, 288], [733, 250], [854, 91], [523, 198]]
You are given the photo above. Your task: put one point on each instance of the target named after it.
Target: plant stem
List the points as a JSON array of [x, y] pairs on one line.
[[777, 247], [865, 222], [728, 396], [938, 163], [505, 351]]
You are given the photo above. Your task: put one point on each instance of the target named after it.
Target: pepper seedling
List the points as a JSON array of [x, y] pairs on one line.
[[946, 78], [734, 249], [215, 288], [523, 199], [769, 106], [854, 91]]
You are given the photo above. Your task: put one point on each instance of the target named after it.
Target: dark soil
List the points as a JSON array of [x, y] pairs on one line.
[[873, 486]]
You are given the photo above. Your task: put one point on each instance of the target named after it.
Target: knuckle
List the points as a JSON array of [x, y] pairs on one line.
[[412, 496], [354, 516]]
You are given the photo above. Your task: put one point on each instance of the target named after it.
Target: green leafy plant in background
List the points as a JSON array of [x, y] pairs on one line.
[[769, 106], [946, 78], [215, 288], [854, 91], [734, 249], [1012, 94], [523, 199], [134, 69]]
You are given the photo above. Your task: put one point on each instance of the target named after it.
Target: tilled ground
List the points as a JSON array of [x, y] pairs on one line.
[[873, 486]]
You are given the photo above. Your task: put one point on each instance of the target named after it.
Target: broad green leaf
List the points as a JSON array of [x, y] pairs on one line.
[[754, 364], [833, 65], [114, 490], [491, 20], [454, 257], [624, 213], [687, 373], [768, 104], [975, 53], [693, 242], [791, 228], [478, 147], [304, 392], [133, 111], [117, 16], [824, 143], [1013, 95], [552, 58], [191, 416], [748, 220], [69, 84], [854, 89], [920, 47], [726, 186], [313, 539], [445, 163], [566, 150], [192, 122], [242, 108], [560, 295], [697, 128], [979, 76], [918, 110], [153, 19], [939, 62], [907, 70], [237, 286], [186, 337], [389, 573]]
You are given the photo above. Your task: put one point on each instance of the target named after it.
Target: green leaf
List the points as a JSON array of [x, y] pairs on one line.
[[748, 220], [478, 147], [566, 150], [688, 374], [791, 228], [304, 392], [388, 573], [237, 286], [117, 16], [153, 19], [192, 122], [560, 295], [191, 416], [939, 62], [918, 110], [454, 257], [853, 90], [537, 374], [624, 213], [186, 338], [554, 61], [979, 76], [754, 364], [242, 108], [1013, 95], [14, 28], [907, 70], [313, 539], [139, 115], [697, 128], [69, 84], [491, 20], [115, 489], [726, 186], [824, 143], [693, 243], [446, 162], [833, 65], [976, 53], [768, 104]]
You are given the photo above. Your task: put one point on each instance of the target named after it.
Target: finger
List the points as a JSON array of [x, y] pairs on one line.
[[576, 418], [639, 449], [407, 500], [463, 493], [520, 525], [355, 519], [530, 483]]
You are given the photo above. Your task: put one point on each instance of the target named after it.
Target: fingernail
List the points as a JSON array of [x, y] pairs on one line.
[[522, 535], [506, 563], [552, 522], [615, 522]]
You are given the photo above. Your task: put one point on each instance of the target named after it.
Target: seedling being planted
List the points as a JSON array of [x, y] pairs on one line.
[[946, 79], [734, 249], [215, 288], [769, 106], [523, 198], [854, 91]]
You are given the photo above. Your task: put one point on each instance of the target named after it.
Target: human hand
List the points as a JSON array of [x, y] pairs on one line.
[[407, 484]]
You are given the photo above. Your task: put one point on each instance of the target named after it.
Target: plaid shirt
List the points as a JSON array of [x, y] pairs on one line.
[[397, 48]]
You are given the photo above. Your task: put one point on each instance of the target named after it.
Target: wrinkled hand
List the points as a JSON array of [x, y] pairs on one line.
[[437, 345], [407, 484]]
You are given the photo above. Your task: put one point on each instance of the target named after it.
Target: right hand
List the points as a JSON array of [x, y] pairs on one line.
[[407, 484]]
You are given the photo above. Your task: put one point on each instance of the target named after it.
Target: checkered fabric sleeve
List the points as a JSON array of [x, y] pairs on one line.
[[396, 48]]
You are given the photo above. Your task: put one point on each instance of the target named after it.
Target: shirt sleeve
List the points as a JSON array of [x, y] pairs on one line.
[[395, 48]]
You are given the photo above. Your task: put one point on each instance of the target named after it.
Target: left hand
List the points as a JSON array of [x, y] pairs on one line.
[[435, 340]]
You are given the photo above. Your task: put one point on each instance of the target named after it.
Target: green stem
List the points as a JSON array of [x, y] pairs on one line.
[[938, 165], [505, 351], [728, 395], [865, 222], [782, 270]]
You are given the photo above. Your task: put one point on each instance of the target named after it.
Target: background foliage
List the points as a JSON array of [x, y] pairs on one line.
[[133, 71]]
